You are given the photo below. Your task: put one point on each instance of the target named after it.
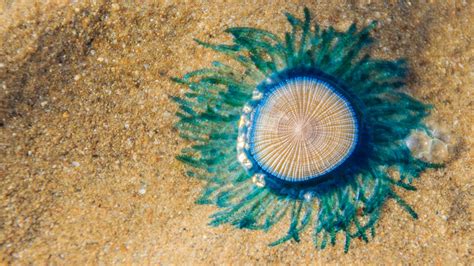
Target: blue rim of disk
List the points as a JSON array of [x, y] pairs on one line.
[[275, 82]]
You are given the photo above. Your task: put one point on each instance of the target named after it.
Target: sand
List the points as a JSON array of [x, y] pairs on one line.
[[88, 173]]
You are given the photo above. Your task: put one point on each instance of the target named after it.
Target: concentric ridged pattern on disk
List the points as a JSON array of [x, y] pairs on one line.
[[303, 129]]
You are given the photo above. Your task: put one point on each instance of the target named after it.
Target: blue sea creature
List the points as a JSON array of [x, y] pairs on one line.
[[309, 127]]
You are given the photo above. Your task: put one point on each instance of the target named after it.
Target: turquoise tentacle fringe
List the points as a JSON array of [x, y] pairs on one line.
[[350, 204]]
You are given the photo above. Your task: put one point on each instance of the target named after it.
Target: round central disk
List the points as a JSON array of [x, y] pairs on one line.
[[302, 129]]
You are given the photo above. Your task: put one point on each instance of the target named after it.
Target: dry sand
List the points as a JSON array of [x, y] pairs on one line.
[[88, 173]]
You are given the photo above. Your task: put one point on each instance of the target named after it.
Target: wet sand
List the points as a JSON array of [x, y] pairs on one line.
[[87, 148]]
